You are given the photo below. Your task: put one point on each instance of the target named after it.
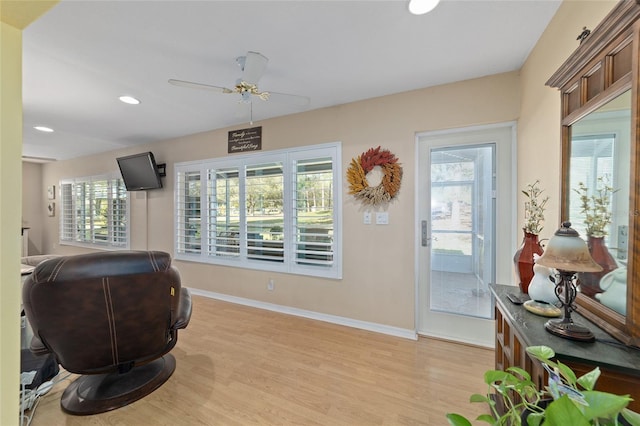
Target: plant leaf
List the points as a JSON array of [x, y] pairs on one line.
[[519, 371], [535, 419], [631, 416], [491, 376], [603, 405], [457, 420], [588, 381], [563, 412], [542, 353], [567, 373], [497, 376], [489, 419], [476, 397]]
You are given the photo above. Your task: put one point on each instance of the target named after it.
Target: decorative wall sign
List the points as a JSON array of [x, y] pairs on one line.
[[51, 208], [357, 176], [51, 192], [245, 140]]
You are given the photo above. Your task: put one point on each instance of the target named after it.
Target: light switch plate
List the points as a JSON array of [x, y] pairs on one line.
[[367, 218], [623, 242], [382, 218]]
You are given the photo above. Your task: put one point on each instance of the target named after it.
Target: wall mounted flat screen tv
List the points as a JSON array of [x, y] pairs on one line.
[[139, 171]]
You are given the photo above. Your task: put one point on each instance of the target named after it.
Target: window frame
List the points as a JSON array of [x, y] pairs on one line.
[[110, 243], [289, 159]]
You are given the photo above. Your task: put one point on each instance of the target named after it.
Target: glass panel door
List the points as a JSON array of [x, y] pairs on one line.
[[462, 265], [465, 188]]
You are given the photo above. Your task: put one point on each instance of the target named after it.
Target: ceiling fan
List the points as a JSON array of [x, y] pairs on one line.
[[253, 66]]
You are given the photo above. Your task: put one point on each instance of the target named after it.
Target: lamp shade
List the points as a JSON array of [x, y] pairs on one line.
[[566, 251]]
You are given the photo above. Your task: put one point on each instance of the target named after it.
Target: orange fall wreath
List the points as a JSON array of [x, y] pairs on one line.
[[357, 176]]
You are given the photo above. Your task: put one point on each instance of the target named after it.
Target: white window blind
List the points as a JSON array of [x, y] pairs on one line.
[[223, 187], [277, 211], [592, 158], [264, 202], [188, 196], [95, 212], [314, 209]]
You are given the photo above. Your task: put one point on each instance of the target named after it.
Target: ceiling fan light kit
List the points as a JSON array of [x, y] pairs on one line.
[[253, 66], [247, 89]]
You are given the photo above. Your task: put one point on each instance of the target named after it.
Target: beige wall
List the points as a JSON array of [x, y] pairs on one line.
[[378, 281], [10, 177], [34, 202], [14, 16], [539, 123]]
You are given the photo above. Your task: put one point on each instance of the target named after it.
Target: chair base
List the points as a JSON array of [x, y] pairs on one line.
[[93, 394]]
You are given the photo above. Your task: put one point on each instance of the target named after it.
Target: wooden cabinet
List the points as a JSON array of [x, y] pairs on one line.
[[516, 329]]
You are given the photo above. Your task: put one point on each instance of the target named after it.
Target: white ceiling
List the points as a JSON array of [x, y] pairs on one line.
[[82, 55]]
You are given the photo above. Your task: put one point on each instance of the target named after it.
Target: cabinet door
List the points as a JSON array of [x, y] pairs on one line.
[[611, 381]]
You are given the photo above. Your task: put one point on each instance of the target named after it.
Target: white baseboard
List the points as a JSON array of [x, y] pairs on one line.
[[471, 342], [333, 319]]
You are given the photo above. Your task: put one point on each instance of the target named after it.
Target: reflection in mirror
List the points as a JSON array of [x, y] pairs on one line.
[[599, 197]]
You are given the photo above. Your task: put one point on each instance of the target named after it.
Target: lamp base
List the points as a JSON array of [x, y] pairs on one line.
[[569, 330]]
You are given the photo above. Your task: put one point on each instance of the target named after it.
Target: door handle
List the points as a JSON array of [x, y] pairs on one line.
[[424, 234]]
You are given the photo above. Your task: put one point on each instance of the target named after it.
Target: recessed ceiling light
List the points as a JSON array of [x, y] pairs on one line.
[[420, 7], [129, 100], [44, 129]]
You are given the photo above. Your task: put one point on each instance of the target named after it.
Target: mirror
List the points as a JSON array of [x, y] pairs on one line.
[[599, 86], [598, 197]]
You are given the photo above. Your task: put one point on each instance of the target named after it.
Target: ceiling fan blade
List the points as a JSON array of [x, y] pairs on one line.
[[193, 85], [286, 98], [254, 66]]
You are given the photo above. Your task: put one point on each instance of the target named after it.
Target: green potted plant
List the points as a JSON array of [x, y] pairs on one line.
[[534, 208], [595, 208], [534, 217], [596, 211], [567, 400]]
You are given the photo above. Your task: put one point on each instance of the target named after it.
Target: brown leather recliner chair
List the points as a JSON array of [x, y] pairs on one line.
[[111, 317]]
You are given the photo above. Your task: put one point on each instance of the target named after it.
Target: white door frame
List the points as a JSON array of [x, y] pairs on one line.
[[505, 229]]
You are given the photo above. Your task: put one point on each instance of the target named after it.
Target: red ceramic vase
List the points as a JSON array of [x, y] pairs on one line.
[[590, 281], [523, 260]]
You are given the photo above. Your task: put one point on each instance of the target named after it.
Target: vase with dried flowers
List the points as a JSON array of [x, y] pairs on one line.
[[595, 209], [534, 217]]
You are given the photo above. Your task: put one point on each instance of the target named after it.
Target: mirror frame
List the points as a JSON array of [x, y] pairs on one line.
[[604, 66]]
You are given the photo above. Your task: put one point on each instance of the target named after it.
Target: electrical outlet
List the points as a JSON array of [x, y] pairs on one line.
[[270, 284]]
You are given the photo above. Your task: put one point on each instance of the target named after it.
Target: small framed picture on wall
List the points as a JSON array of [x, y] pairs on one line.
[[51, 209], [51, 192]]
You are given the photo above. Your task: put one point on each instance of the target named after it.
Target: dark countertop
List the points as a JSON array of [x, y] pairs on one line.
[[605, 352]]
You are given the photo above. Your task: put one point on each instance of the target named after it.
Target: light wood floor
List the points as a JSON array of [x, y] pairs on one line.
[[244, 366]]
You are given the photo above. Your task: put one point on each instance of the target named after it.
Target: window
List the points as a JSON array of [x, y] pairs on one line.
[[276, 211], [94, 212], [592, 158]]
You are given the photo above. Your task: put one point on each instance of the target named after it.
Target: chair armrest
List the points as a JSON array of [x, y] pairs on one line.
[[183, 315], [37, 347]]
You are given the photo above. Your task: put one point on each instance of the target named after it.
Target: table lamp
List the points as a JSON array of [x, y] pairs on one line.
[[568, 254]]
